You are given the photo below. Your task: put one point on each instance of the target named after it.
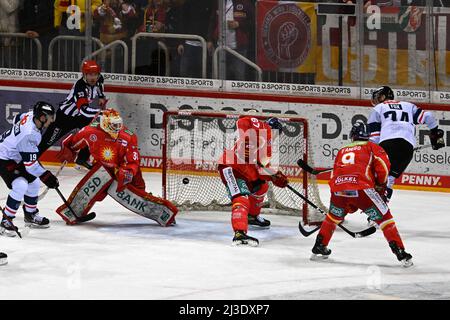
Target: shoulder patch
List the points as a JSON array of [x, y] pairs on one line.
[[129, 132]]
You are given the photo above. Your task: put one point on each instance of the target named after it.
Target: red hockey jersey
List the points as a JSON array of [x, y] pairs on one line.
[[120, 153], [360, 165], [252, 147]]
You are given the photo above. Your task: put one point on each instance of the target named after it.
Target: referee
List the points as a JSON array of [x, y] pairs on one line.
[[75, 112]]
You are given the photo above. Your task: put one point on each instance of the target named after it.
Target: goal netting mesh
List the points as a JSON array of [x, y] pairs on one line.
[[194, 142]]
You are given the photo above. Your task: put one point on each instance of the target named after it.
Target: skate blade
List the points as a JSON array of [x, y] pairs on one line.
[[256, 227], [3, 261], [407, 263], [8, 233], [318, 257], [36, 226], [247, 243]]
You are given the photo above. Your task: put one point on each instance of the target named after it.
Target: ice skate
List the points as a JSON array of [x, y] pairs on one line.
[[402, 256], [7, 228], [258, 222], [241, 238], [34, 220], [3, 259], [320, 251]]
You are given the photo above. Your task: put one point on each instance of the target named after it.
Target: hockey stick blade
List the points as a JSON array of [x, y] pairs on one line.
[[305, 232], [90, 216], [302, 164]]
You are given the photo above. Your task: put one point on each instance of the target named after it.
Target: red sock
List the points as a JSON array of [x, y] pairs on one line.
[[239, 213], [387, 225], [328, 227]]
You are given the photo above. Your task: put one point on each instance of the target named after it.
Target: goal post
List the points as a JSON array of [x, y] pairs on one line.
[[194, 141]]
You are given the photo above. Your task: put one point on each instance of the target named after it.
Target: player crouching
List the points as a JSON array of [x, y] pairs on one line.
[[358, 182], [243, 170], [116, 172]]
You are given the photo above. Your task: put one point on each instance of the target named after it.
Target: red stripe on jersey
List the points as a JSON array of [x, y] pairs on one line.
[[27, 164], [374, 134], [422, 114]]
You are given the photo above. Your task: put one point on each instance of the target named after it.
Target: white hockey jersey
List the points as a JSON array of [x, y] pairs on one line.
[[20, 143], [397, 119]]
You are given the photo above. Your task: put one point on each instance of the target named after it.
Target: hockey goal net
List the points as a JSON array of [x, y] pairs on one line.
[[194, 141]]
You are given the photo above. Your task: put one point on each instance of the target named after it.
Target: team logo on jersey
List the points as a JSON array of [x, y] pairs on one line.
[[346, 179], [108, 154], [286, 35], [93, 137]]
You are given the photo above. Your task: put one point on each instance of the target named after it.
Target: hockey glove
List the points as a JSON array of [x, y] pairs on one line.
[[437, 138], [381, 189], [124, 177], [280, 180], [49, 179]]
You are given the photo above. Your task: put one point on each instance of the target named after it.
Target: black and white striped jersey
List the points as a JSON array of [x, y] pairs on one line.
[[80, 97]]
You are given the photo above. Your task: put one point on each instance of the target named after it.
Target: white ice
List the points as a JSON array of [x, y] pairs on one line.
[[120, 255]]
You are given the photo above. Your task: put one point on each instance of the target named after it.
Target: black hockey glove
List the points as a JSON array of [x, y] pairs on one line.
[[437, 138], [49, 180]]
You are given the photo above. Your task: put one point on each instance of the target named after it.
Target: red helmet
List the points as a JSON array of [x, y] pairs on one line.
[[90, 66]]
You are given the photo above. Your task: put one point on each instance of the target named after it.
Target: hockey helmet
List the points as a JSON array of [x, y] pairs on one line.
[[111, 122], [382, 91], [360, 131], [90, 66], [275, 124], [42, 108]]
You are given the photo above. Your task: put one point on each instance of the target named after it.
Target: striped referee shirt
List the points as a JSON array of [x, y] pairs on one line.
[[79, 99]]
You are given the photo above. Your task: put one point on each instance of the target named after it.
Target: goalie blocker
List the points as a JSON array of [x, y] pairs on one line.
[[99, 183]]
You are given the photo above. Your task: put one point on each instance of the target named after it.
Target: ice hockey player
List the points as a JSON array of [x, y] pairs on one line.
[[358, 181], [3, 259], [76, 111], [21, 170], [116, 171], [392, 125], [245, 170]]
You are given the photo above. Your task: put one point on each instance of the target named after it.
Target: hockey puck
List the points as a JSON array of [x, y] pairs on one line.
[[185, 180]]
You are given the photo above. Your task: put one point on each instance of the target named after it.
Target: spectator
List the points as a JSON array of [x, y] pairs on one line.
[[36, 20], [71, 24], [195, 19], [240, 20], [173, 17], [153, 21], [113, 16], [9, 23]]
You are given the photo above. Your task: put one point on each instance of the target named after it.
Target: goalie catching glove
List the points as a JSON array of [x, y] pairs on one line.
[[437, 138]]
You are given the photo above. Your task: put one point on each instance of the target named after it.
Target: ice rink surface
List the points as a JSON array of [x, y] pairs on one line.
[[121, 255]]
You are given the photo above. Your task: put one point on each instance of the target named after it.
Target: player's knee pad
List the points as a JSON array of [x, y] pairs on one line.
[[19, 188], [33, 188], [239, 213]]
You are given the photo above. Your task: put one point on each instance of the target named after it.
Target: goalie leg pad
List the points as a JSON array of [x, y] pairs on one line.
[[144, 204], [88, 191]]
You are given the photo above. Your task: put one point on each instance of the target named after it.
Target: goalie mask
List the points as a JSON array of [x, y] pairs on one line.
[[111, 122]]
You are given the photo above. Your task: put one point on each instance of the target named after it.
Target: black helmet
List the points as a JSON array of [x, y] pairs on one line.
[[382, 91], [42, 108], [274, 123], [360, 131]]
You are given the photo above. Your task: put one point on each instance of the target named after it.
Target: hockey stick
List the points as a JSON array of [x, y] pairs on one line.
[[303, 231], [302, 164], [306, 233], [85, 218], [423, 147], [44, 193]]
